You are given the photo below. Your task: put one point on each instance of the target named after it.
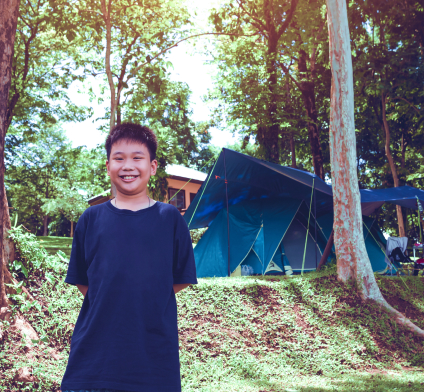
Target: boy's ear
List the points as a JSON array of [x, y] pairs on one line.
[[153, 167]]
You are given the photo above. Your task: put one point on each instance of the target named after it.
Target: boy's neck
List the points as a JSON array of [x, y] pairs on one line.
[[133, 203]]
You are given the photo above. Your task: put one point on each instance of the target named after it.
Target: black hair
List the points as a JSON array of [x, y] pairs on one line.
[[132, 133]]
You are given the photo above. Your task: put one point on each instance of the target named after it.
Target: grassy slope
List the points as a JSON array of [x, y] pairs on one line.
[[261, 334], [254, 334], [52, 244]]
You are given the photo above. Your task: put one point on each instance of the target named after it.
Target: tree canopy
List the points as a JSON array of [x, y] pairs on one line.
[[272, 87]]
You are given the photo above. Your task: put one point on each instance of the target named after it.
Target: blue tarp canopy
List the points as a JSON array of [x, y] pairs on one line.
[[250, 178], [405, 196]]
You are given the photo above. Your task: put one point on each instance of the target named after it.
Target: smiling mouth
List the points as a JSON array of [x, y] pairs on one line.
[[128, 178]]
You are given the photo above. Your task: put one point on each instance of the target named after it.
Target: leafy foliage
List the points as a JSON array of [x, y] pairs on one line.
[[50, 173], [44, 66]]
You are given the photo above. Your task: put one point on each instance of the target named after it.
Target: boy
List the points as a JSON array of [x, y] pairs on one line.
[[129, 257]]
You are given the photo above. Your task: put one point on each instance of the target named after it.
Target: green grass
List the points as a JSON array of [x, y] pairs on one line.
[[258, 334], [52, 244]]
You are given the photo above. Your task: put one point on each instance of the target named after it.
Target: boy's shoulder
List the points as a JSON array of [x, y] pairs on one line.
[[163, 208], [170, 212], [166, 210]]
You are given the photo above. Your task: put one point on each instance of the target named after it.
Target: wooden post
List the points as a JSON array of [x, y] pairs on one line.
[[327, 250]]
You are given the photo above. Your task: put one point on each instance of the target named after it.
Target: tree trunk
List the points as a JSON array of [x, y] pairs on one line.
[[352, 258], [391, 163], [272, 145], [327, 251], [45, 222], [72, 229], [106, 8], [308, 95], [8, 254], [289, 110], [293, 151], [307, 88], [9, 10], [402, 162]]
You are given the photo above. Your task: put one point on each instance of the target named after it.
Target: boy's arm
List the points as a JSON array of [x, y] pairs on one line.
[[177, 287], [82, 288]]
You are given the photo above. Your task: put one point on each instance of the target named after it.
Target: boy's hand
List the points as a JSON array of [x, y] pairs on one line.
[[82, 288], [180, 286]]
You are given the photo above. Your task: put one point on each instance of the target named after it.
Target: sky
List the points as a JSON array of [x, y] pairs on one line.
[[189, 66]]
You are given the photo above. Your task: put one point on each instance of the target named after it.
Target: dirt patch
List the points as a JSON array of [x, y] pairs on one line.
[[376, 371], [266, 295], [405, 307]]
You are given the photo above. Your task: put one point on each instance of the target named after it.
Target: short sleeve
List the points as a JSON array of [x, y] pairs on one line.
[[77, 269], [184, 267]]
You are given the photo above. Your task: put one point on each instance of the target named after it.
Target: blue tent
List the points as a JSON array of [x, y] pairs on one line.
[[278, 218]]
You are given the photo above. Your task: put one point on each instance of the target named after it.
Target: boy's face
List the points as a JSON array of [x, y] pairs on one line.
[[130, 159]]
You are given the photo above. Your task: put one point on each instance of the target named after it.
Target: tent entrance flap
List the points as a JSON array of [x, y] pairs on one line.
[[294, 245], [211, 252]]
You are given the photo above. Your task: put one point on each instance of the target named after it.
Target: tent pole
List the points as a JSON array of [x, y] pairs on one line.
[[228, 215]]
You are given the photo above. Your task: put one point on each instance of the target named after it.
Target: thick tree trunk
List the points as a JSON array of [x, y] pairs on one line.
[[352, 258], [391, 163], [9, 10], [8, 21]]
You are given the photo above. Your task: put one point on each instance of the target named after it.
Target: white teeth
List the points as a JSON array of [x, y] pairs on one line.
[[129, 177]]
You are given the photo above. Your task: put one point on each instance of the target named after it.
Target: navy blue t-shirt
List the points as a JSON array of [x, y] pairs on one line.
[[126, 334]]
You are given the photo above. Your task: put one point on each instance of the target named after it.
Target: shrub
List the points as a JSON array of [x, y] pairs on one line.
[[31, 259]]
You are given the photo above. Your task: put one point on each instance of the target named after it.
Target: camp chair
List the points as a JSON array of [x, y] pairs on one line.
[[391, 248], [393, 243]]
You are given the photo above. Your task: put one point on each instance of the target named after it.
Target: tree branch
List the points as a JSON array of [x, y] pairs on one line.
[[409, 103], [257, 20], [286, 71], [135, 70], [289, 17]]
